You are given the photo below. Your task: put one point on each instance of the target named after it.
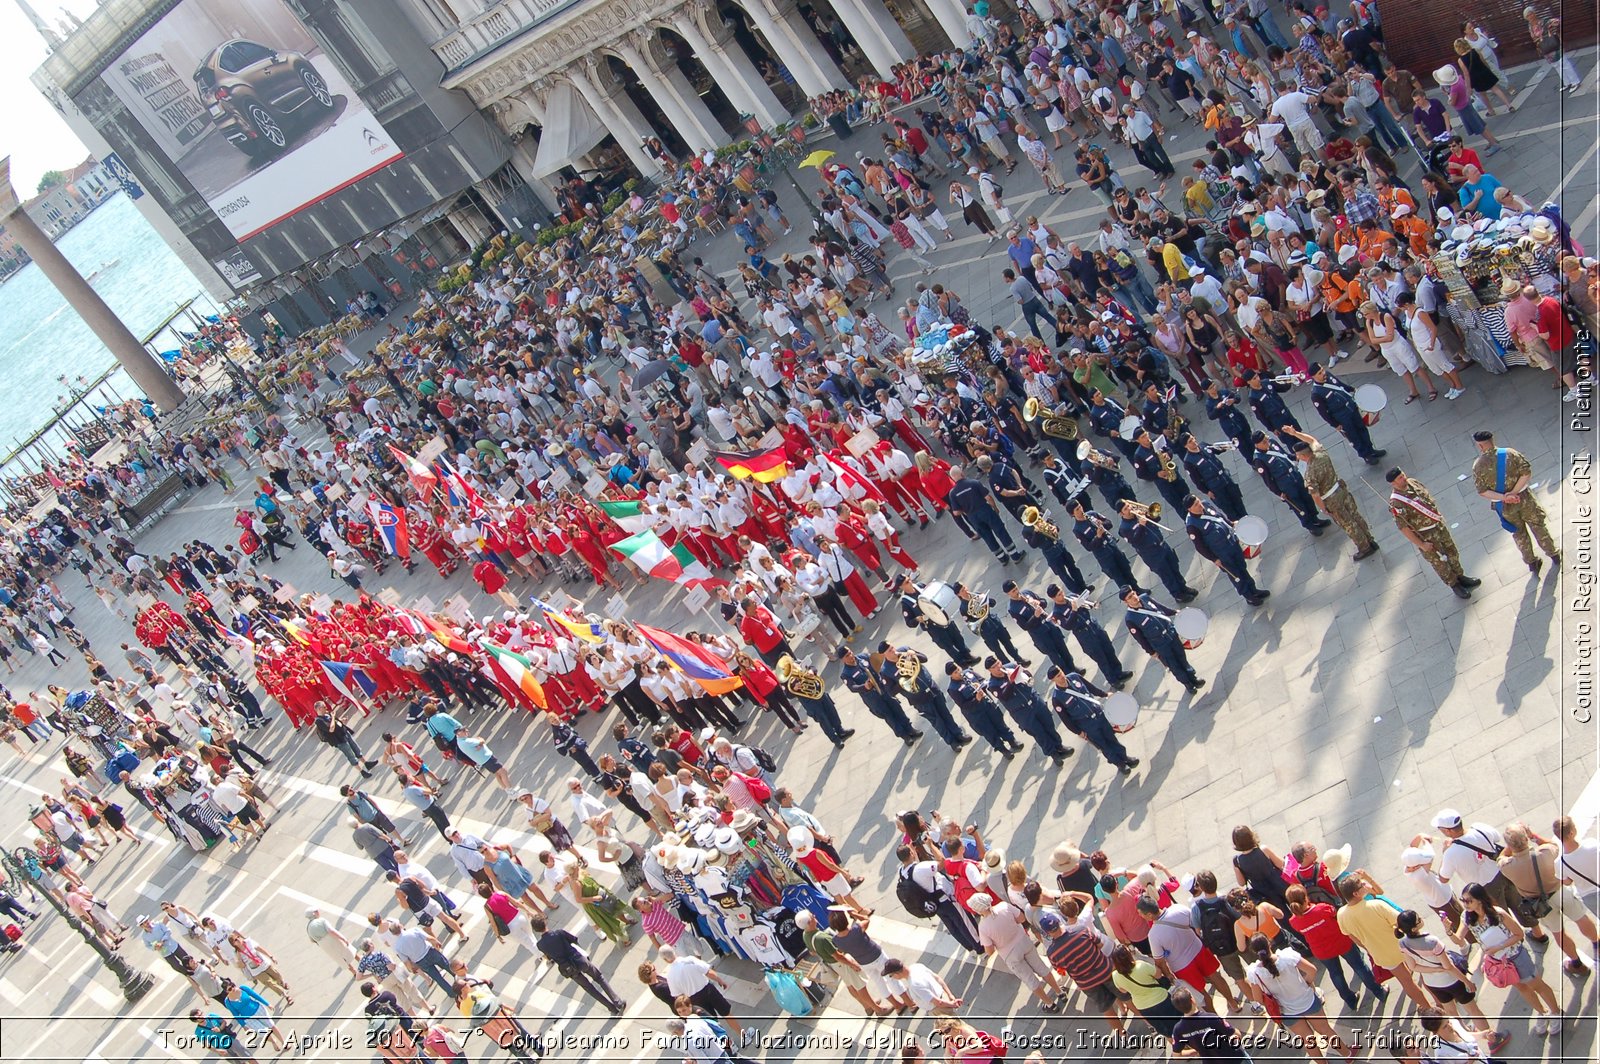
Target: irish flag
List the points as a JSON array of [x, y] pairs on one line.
[[629, 516], [650, 554], [518, 670]]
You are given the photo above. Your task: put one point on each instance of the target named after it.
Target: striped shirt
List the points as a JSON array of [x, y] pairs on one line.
[[1080, 954]]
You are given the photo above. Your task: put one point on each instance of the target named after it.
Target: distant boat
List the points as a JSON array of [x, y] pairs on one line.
[[104, 266]]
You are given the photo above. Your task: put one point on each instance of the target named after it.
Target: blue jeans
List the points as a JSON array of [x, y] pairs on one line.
[[1387, 128], [1358, 964], [1136, 291]]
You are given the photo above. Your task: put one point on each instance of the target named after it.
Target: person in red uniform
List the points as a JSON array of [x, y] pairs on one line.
[[762, 685], [934, 479], [761, 630], [489, 577]]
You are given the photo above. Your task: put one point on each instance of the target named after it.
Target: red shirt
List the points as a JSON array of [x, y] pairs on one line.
[[759, 680], [1319, 926], [1553, 324], [502, 906], [760, 630]]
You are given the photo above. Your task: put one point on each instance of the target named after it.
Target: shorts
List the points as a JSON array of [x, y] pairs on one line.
[[1564, 905], [247, 815], [1456, 993], [1233, 964], [1101, 997], [837, 887], [1195, 973], [849, 976], [710, 998], [1314, 1007], [1028, 966], [492, 765]]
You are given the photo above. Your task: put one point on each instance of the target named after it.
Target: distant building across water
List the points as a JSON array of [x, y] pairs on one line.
[[59, 208]]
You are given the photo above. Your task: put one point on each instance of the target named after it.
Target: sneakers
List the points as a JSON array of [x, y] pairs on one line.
[[1455, 393], [1572, 395], [1539, 1029], [1338, 356]]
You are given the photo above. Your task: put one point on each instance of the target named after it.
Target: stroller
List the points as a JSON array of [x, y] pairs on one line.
[[252, 546]]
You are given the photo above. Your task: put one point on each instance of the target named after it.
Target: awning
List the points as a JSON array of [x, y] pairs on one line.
[[571, 129]]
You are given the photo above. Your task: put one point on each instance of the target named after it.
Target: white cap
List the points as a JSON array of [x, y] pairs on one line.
[[980, 903], [1446, 818], [1413, 856]]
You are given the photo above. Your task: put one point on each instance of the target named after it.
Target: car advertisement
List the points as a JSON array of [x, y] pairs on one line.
[[242, 98]]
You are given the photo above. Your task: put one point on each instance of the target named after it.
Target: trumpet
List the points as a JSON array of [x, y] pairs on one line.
[[1220, 448], [1052, 425], [1035, 519], [1287, 378]]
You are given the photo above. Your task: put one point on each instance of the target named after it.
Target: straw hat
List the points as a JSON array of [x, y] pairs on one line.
[[1543, 231], [1510, 289], [1065, 858]]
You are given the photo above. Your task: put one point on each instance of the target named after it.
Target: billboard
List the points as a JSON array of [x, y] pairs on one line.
[[247, 105]]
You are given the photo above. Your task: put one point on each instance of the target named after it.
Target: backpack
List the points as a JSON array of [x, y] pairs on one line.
[[964, 890], [767, 762], [919, 902], [786, 991], [756, 786], [1216, 927]]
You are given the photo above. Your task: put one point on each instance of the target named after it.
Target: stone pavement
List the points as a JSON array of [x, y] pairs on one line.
[[1349, 708]]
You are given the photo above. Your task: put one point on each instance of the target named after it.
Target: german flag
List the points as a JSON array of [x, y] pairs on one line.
[[761, 466]]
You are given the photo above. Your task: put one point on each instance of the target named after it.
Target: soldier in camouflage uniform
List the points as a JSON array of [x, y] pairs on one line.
[[1418, 518], [1519, 512], [1332, 495]]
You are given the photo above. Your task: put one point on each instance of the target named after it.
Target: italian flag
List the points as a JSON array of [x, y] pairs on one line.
[[518, 672], [653, 556], [628, 516]]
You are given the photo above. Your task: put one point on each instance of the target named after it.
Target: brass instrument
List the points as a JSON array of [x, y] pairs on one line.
[[1169, 468], [1287, 378], [977, 607], [1148, 511], [1054, 426], [798, 680], [1035, 519], [909, 671], [1220, 448], [1088, 453]]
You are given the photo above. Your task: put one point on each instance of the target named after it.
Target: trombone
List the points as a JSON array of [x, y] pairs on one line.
[[1150, 512]]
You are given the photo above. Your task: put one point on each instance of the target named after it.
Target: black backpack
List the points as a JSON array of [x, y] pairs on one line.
[[1216, 927], [767, 762], [918, 901]]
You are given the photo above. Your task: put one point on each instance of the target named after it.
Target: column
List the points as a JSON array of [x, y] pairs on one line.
[[952, 19], [620, 116], [878, 35], [140, 363], [683, 108], [731, 68], [796, 47]]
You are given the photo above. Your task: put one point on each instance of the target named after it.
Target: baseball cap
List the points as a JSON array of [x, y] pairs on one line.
[[1049, 923], [1446, 818]]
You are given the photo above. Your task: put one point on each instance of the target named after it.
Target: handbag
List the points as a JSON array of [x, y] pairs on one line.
[[1502, 970], [1534, 908]]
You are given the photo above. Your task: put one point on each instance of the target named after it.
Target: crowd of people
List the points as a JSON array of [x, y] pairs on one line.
[[569, 420]]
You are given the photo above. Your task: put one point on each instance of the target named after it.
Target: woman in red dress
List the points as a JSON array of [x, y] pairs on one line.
[[933, 479], [762, 685]]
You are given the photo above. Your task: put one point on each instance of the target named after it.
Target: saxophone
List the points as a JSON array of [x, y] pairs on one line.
[[798, 680]]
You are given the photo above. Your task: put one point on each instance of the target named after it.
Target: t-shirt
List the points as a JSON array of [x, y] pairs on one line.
[[1319, 926], [1141, 984], [1293, 107], [922, 984], [1471, 858], [1371, 923], [859, 945], [687, 975], [502, 906], [1581, 867], [1002, 930], [1289, 986], [1080, 952], [1210, 1036], [1428, 953], [1172, 939]]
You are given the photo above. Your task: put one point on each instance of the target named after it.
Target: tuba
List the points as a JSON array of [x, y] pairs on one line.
[[798, 680], [909, 671], [1035, 519], [1054, 426]]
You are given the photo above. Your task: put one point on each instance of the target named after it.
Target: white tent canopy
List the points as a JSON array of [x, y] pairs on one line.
[[571, 129]]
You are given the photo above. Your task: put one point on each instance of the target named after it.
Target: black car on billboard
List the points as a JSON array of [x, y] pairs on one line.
[[255, 92]]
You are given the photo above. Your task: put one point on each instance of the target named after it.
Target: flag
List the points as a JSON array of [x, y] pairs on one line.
[[848, 477], [693, 660], [629, 516], [348, 679], [587, 631], [763, 466], [651, 554], [241, 640], [519, 671], [391, 525], [411, 621], [423, 479], [297, 633], [447, 638], [456, 488]]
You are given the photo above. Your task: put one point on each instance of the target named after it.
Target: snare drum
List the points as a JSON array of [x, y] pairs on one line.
[[1370, 400], [1191, 625], [1252, 533], [1121, 710], [1130, 427]]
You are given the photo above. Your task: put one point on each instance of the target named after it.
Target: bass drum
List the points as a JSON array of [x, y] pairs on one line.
[[1121, 710], [1371, 400], [1252, 532], [940, 603]]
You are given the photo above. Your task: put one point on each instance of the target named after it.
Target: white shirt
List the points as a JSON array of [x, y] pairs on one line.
[[1463, 864], [1581, 868], [1288, 986], [687, 975], [1293, 107]]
